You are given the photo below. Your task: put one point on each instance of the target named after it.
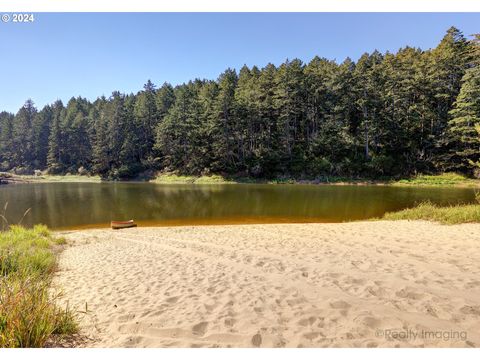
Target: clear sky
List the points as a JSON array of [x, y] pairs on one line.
[[65, 55]]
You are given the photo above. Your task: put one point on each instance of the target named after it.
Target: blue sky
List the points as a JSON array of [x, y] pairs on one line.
[[65, 55]]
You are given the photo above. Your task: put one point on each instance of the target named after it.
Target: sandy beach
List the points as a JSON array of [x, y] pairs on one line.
[[362, 284]]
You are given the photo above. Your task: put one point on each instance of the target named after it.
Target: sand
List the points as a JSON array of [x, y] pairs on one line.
[[363, 284]]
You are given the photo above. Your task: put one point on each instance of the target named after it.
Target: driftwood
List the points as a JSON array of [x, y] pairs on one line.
[[7, 178]]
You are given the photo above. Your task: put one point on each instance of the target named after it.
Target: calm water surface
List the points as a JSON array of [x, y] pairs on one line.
[[77, 205]]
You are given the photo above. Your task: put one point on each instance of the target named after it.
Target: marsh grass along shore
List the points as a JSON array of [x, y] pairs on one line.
[[455, 214]]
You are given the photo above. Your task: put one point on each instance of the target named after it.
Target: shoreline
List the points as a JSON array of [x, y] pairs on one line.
[[446, 180], [178, 223], [276, 285]]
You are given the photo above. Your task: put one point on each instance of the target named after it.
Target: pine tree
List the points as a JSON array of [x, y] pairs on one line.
[[75, 130], [177, 133], [22, 137], [164, 100], [225, 144], [55, 139], [448, 64], [402, 127], [100, 146], [147, 118], [290, 105], [130, 155], [327, 115], [41, 131], [247, 118], [6, 145], [464, 126], [268, 152], [369, 79], [115, 119]]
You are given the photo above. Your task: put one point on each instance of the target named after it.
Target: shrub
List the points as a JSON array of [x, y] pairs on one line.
[[381, 165], [55, 169], [22, 170], [321, 166]]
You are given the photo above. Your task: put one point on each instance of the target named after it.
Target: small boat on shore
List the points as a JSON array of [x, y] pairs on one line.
[[122, 224]]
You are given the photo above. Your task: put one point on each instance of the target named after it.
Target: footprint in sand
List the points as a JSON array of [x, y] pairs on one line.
[[313, 335], [470, 310], [200, 328], [257, 340], [125, 318], [370, 322], [172, 300], [430, 310], [307, 321], [409, 294], [340, 304], [229, 322], [472, 284]]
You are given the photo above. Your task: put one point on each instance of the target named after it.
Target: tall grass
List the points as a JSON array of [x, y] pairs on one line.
[[4, 221], [29, 314]]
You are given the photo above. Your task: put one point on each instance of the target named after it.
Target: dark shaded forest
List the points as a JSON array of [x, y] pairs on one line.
[[386, 115]]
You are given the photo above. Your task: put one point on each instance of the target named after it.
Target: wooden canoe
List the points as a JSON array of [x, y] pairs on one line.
[[122, 224]]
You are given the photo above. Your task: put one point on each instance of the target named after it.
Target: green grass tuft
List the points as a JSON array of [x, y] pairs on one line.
[[190, 179], [455, 214], [29, 314], [445, 179]]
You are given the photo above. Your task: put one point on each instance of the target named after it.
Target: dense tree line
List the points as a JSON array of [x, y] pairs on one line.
[[392, 114]]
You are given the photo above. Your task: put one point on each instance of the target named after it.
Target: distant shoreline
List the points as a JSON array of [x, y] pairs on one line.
[[442, 180], [9, 178]]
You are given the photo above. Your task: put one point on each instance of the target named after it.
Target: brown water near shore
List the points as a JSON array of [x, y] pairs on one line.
[[207, 222], [94, 205]]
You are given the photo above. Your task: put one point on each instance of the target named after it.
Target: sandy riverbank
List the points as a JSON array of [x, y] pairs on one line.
[[362, 284]]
